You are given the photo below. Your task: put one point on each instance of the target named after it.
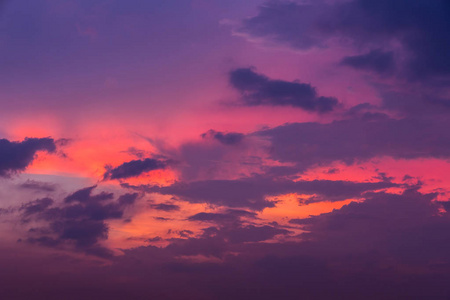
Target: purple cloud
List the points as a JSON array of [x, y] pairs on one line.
[[79, 222], [257, 89], [134, 168], [16, 156]]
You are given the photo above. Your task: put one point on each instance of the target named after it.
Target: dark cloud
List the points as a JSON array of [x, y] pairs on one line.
[[257, 89], [286, 22], [230, 138], [391, 246], [226, 217], [134, 168], [162, 219], [165, 207], [376, 61], [79, 221], [85, 195], [407, 226], [85, 234], [203, 216], [127, 199], [16, 156], [155, 239], [358, 139], [446, 205], [416, 103], [422, 27], [38, 186], [185, 233], [252, 192], [36, 206], [364, 250], [4, 211], [250, 233], [216, 154], [217, 241], [332, 171]]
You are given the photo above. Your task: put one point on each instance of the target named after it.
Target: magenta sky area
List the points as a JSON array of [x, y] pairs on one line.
[[216, 150]]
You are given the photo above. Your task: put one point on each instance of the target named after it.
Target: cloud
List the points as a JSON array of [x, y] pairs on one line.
[[287, 22], [376, 60], [406, 227], [38, 186], [165, 207], [85, 234], [229, 216], [216, 241], [36, 206], [390, 40], [390, 244], [85, 195], [251, 233], [257, 89], [358, 139], [78, 222], [217, 155], [416, 104], [134, 168], [423, 29], [252, 192], [16, 156], [364, 250], [230, 138]]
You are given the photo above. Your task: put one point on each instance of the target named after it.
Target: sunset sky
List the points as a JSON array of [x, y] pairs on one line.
[[211, 149]]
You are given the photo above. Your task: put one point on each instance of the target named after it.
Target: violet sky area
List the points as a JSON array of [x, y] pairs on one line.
[[224, 150]]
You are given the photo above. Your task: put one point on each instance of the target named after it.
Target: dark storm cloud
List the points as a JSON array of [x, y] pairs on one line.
[[358, 139], [376, 61], [252, 192], [257, 89], [16, 156], [229, 138], [79, 221], [134, 168], [422, 27]]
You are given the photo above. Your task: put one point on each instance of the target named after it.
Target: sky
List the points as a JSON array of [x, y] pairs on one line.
[[207, 149]]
